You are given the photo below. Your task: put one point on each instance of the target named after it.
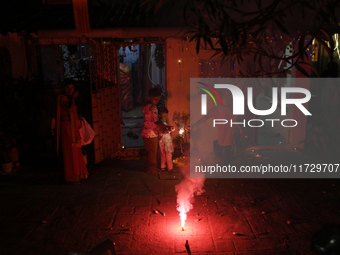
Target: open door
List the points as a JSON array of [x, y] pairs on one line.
[[142, 66], [105, 97]]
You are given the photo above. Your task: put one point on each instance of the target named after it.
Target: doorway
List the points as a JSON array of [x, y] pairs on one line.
[[142, 66]]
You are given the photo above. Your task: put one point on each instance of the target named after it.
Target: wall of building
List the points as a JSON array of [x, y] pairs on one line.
[[16, 47], [178, 76], [182, 63]]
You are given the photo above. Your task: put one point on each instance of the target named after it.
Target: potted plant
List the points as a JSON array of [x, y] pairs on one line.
[[180, 120]]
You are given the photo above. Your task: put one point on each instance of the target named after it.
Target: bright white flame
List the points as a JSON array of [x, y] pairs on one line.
[[185, 195], [183, 216], [181, 131]]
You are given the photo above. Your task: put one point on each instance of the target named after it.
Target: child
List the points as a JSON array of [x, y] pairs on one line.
[[165, 142], [151, 128]]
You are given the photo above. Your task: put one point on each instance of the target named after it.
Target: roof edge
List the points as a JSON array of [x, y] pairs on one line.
[[114, 33]]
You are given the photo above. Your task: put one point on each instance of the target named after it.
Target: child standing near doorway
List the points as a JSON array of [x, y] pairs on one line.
[[165, 141], [152, 128]]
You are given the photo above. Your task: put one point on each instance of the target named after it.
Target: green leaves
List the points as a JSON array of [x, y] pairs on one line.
[[259, 27]]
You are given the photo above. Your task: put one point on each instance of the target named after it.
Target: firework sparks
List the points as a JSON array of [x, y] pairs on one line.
[[181, 131]]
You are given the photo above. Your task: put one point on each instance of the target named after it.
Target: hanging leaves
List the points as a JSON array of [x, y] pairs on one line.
[[282, 27], [159, 56], [301, 47], [258, 27], [303, 71], [309, 66]]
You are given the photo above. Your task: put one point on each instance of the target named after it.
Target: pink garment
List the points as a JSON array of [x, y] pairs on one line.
[[165, 141], [166, 158], [150, 129], [70, 156], [165, 147]]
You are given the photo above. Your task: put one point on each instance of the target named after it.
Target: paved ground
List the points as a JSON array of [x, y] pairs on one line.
[[42, 215]]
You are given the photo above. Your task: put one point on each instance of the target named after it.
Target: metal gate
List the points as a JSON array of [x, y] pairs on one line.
[[65, 59], [105, 97]]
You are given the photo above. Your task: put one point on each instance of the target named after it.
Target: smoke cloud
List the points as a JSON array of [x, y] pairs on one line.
[[186, 190]]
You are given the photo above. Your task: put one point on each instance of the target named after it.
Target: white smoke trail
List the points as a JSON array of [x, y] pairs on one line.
[[186, 190]]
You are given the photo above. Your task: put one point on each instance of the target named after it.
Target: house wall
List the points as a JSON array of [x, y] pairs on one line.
[[178, 81], [178, 74], [178, 77], [16, 47]]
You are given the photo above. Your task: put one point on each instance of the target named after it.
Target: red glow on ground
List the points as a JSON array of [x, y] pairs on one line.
[[174, 227], [194, 226], [186, 190]]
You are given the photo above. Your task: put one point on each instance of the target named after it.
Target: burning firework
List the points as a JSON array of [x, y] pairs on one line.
[[181, 131], [185, 195]]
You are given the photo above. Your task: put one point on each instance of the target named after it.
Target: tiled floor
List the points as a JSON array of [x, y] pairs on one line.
[[42, 215]]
